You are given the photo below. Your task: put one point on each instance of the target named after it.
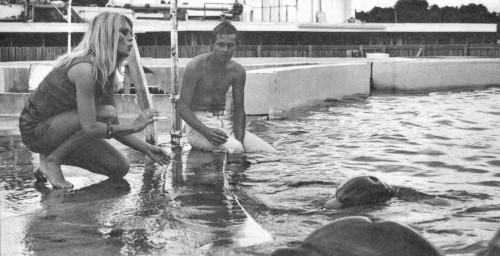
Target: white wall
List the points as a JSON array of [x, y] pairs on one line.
[[7, 11], [259, 10], [303, 11], [437, 74], [341, 11], [289, 87]]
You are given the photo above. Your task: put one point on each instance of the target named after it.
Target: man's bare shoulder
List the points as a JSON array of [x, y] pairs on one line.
[[198, 60], [236, 67]]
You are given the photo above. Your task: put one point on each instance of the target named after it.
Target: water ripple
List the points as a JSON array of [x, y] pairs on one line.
[[442, 145], [435, 137], [432, 142], [494, 162], [480, 209]]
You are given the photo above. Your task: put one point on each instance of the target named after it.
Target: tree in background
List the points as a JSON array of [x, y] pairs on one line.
[[450, 15], [377, 15], [418, 11], [411, 11], [475, 13]]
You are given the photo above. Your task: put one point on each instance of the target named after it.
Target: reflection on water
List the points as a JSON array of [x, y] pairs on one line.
[[68, 222], [443, 147], [443, 144], [205, 203], [186, 208]]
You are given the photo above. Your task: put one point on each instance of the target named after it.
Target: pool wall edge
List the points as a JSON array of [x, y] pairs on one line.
[[435, 74]]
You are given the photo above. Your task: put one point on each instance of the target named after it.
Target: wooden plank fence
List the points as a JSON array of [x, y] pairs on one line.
[[276, 51]]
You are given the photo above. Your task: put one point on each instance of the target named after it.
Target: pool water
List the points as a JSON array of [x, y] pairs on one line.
[[443, 144], [442, 147]]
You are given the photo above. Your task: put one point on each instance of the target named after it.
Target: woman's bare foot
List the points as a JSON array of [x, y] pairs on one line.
[[52, 170], [39, 175]]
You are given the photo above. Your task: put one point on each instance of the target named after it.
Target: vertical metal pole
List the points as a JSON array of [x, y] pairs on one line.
[[204, 11], [69, 25], [279, 11], [262, 11], [286, 20], [175, 132]]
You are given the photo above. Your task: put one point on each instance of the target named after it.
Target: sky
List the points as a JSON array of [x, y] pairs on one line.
[[367, 5]]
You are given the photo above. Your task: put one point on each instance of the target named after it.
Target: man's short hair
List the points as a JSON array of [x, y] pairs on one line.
[[224, 28]]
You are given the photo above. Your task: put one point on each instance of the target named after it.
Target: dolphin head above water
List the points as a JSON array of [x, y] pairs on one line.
[[361, 190]]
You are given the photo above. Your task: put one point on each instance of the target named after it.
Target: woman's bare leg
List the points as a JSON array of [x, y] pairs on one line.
[[64, 136], [62, 127], [51, 167], [99, 156]]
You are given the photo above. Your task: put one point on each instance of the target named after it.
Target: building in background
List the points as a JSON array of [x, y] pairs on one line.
[[40, 28], [302, 11]]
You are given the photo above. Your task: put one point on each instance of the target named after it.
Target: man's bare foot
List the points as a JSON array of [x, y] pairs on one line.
[[52, 170]]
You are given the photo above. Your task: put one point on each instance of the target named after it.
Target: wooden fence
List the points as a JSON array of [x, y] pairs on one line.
[[317, 51]]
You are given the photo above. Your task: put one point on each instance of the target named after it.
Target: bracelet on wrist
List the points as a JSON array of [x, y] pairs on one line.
[[109, 131]]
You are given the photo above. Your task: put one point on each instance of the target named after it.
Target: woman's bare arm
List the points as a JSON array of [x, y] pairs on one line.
[[81, 76]]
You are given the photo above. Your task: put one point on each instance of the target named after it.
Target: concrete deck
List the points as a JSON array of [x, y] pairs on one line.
[[179, 209]]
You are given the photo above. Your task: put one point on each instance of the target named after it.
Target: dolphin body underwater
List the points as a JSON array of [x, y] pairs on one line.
[[360, 236]]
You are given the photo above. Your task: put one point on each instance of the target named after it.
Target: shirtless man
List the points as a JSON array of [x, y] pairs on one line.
[[202, 104]]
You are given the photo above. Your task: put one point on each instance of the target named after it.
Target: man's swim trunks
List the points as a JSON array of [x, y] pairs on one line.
[[219, 120]]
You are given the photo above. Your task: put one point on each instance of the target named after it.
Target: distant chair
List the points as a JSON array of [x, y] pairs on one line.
[[37, 73]]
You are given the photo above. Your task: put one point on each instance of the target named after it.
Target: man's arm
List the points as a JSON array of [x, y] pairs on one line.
[[191, 76], [239, 116]]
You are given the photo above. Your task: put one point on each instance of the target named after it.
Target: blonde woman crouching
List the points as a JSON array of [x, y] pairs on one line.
[[71, 113]]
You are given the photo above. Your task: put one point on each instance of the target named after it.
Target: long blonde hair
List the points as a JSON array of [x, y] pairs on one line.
[[100, 44]]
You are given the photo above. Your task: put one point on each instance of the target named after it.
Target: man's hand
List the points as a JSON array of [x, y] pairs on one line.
[[216, 136], [158, 154]]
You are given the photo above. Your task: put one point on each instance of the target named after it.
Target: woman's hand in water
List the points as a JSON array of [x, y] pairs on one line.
[[145, 118], [158, 154], [216, 136]]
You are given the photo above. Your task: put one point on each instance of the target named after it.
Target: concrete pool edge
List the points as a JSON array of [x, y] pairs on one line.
[[285, 83], [435, 74]]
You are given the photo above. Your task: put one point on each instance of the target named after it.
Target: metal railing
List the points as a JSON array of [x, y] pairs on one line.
[[315, 51]]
